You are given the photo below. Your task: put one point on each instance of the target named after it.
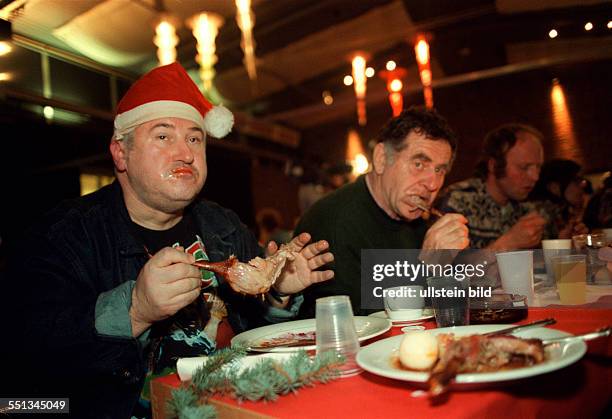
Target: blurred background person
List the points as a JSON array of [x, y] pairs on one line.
[[270, 227], [493, 200], [559, 192], [598, 212], [337, 176], [311, 187]]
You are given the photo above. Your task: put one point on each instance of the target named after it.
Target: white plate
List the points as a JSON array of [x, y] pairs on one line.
[[367, 327], [376, 357], [427, 314]]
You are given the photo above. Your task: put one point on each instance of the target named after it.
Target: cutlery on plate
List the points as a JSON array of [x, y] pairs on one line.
[[281, 345], [584, 337], [505, 331]]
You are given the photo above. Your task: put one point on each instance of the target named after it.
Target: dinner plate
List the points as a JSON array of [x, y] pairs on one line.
[[366, 327], [376, 357], [428, 313]]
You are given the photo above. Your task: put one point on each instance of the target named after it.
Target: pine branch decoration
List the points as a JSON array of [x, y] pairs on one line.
[[265, 380]]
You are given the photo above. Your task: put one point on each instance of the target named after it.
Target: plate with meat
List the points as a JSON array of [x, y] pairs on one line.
[[300, 334], [445, 357]]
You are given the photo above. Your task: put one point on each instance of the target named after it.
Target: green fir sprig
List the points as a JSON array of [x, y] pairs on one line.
[[265, 380]]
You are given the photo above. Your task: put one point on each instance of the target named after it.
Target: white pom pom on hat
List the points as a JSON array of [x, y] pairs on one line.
[[168, 91]]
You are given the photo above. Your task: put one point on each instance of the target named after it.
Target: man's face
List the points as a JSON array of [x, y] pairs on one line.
[[523, 164], [416, 171], [574, 193], [166, 165]]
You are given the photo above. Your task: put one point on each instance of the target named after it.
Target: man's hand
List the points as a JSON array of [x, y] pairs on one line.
[[449, 232], [573, 228], [167, 283], [525, 234], [605, 254], [301, 272]]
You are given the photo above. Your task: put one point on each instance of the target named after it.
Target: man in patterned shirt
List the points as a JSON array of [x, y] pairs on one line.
[[493, 201]]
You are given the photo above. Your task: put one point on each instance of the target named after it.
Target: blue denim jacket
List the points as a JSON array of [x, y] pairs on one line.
[[81, 250]]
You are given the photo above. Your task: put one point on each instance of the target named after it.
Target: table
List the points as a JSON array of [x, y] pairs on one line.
[[580, 390]]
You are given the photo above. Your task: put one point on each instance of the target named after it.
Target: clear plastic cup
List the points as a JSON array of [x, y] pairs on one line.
[[450, 301], [553, 248], [516, 273], [404, 303], [336, 331], [570, 277]]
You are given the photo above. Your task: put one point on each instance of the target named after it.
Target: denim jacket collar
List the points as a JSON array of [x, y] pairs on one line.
[[208, 220]]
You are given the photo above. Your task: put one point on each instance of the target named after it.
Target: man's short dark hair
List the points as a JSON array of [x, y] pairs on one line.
[[423, 121], [496, 145]]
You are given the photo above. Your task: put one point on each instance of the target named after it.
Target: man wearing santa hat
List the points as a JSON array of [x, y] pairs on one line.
[[105, 290]]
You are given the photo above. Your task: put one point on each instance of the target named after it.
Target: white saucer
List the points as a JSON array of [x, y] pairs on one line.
[[427, 314]]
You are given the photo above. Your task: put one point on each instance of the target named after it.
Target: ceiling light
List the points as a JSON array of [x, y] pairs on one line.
[[588, 26], [348, 80], [5, 48], [166, 41], [246, 21], [360, 80], [553, 33], [359, 76], [609, 24], [369, 72], [205, 27], [328, 99], [48, 112], [390, 65], [396, 85], [422, 51], [426, 77], [360, 164]]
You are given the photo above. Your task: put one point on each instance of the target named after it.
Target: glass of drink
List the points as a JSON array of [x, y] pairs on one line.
[[552, 248], [450, 301], [589, 244], [570, 276], [336, 331]]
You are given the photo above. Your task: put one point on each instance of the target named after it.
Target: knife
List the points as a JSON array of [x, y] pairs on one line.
[[505, 331]]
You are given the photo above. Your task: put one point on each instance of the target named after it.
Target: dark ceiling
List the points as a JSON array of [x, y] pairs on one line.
[[303, 46]]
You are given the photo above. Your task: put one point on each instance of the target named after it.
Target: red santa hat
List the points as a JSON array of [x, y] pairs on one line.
[[168, 91]]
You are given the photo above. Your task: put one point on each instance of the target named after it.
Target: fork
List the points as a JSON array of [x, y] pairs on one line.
[[605, 331]]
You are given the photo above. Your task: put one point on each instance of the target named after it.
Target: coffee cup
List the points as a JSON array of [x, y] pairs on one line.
[[404, 303]]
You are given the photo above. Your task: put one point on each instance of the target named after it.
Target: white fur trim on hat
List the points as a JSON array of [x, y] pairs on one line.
[[218, 121], [127, 120]]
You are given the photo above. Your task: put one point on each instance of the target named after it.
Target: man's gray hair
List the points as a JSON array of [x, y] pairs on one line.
[[127, 138]]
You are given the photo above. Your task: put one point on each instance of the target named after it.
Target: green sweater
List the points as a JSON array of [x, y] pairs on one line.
[[350, 220]]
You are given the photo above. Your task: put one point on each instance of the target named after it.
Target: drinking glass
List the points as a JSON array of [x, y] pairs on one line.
[[570, 276], [450, 310], [335, 331]]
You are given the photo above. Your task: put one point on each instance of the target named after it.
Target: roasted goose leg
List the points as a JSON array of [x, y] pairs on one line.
[[479, 353], [256, 276]]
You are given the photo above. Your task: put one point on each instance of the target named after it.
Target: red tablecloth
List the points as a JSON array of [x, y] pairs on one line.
[[581, 390]]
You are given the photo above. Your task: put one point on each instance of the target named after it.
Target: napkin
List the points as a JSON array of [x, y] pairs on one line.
[[186, 367]]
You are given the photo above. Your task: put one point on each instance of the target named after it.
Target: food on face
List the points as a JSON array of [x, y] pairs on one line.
[[418, 350]]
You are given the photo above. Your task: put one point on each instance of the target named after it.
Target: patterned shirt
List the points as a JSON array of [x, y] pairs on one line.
[[487, 220]]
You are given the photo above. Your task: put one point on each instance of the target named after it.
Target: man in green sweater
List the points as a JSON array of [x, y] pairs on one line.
[[414, 153]]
